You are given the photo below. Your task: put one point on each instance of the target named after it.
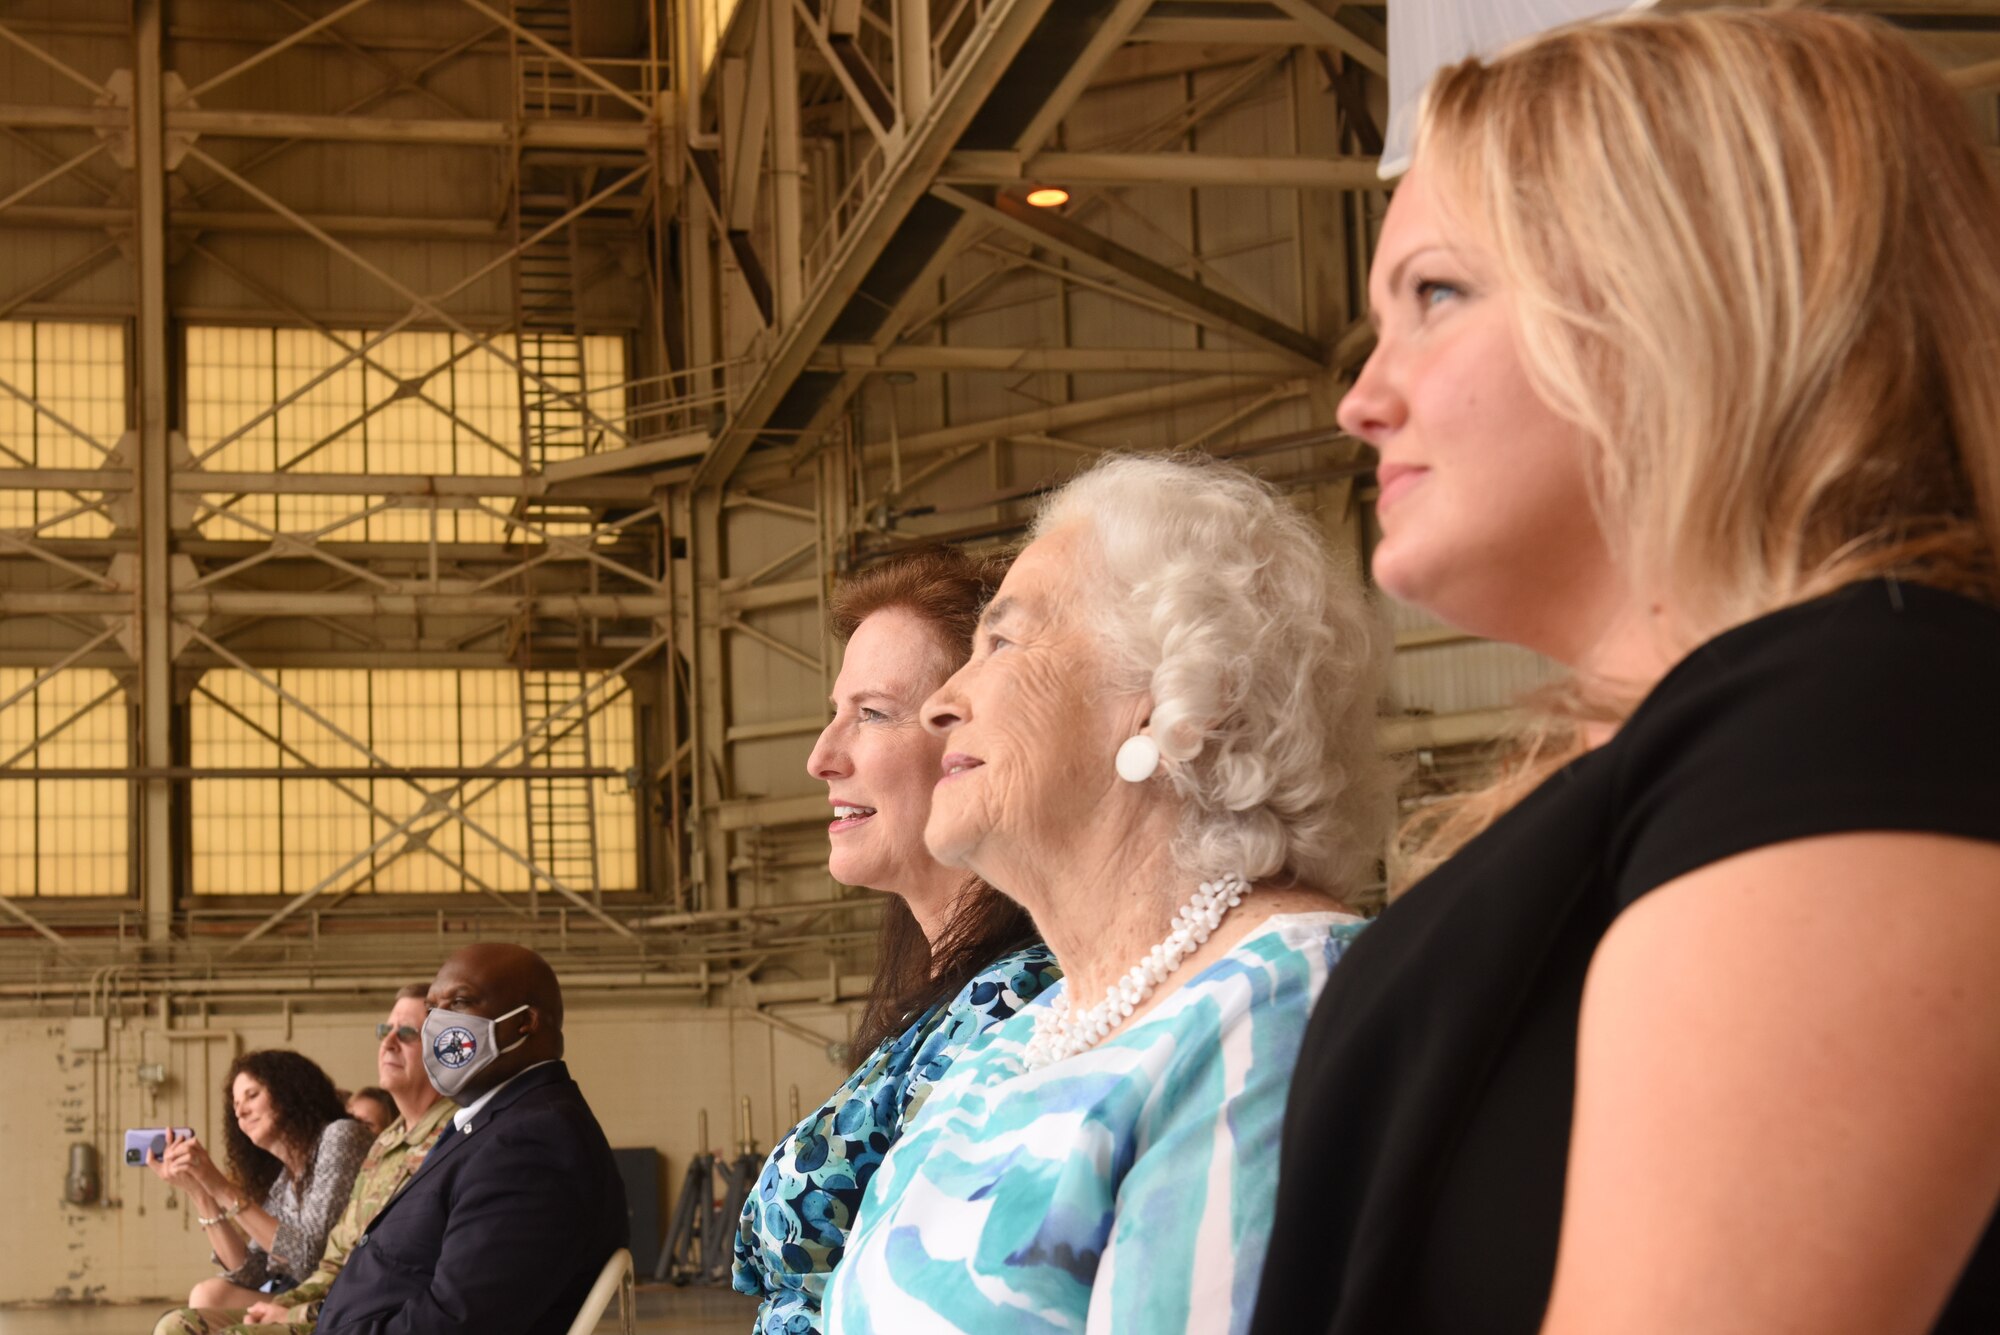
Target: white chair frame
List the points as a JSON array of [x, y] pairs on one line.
[[614, 1279]]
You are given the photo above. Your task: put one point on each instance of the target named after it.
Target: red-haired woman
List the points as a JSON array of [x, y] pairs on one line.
[[955, 958]]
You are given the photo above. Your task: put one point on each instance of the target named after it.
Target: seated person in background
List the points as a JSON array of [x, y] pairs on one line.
[[397, 1154], [293, 1153], [519, 1204], [374, 1106]]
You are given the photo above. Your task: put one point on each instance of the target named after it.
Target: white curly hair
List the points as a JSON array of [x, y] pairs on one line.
[[1263, 655]]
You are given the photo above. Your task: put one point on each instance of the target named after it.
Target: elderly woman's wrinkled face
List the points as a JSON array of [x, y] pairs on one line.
[[876, 759], [1030, 725]]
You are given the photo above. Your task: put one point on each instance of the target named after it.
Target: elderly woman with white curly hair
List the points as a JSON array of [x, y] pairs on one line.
[[1163, 747]]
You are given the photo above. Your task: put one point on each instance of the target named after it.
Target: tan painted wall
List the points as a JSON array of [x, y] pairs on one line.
[[648, 1071]]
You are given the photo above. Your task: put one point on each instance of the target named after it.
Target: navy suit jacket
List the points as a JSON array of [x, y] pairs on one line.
[[502, 1231]]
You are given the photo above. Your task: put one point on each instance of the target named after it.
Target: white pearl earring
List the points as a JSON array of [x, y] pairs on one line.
[[1138, 758]]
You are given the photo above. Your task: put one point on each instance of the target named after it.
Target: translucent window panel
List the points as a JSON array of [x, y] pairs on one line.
[[77, 373], [406, 710], [418, 402], [616, 804], [359, 835], [231, 377], [489, 722], [63, 836]]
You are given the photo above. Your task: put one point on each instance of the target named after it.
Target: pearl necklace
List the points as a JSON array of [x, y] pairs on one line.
[[1059, 1034]]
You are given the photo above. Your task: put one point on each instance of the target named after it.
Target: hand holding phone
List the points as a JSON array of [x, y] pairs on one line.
[[183, 1164], [148, 1145]]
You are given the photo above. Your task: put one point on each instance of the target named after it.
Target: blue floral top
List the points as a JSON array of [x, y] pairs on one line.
[[795, 1223], [1126, 1190]]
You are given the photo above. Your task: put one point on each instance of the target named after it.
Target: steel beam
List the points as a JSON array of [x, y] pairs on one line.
[[644, 454], [283, 44], [1107, 40], [419, 300], [709, 706], [35, 925], [1225, 30], [787, 211], [563, 58], [871, 103], [84, 81], [1067, 361], [1328, 31], [1080, 245], [187, 221], [421, 305], [1978, 77], [305, 603], [155, 467], [576, 135], [1178, 169], [1133, 403], [1423, 732], [552, 134], [435, 802], [914, 79], [906, 176], [607, 490], [205, 773]]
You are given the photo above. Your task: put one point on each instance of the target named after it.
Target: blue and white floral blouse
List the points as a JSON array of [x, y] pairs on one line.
[[1126, 1190], [795, 1223]]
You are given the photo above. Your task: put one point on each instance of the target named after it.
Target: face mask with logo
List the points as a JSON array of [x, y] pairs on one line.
[[458, 1046]]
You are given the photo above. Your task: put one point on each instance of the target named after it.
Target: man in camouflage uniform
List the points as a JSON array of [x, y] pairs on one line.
[[397, 1153]]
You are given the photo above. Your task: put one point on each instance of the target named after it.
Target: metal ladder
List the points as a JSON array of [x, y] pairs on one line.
[[553, 376], [562, 812], [548, 87], [553, 382]]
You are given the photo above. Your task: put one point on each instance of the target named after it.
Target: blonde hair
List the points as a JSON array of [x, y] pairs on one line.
[[1755, 257], [1264, 659]]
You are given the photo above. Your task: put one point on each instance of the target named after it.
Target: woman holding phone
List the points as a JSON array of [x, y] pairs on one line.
[[293, 1153]]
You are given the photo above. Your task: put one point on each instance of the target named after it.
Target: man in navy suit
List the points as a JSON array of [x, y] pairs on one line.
[[507, 1224]]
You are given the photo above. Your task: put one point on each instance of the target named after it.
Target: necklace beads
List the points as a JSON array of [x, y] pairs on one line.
[[1062, 1032]]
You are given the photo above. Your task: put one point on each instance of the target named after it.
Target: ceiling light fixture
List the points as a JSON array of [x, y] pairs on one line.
[[1048, 196]]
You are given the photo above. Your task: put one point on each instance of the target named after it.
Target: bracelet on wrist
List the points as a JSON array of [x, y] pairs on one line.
[[223, 1218]]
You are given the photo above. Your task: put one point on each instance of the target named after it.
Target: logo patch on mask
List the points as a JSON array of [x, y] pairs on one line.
[[454, 1047]]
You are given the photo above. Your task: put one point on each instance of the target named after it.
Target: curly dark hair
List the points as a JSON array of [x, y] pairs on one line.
[[304, 1102]]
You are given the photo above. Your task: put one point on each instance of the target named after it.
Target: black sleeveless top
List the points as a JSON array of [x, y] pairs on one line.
[[1427, 1137]]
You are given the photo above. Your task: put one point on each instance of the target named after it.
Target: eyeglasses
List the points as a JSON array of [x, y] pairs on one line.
[[404, 1033]]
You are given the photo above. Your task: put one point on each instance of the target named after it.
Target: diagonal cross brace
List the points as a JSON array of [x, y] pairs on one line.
[[421, 304], [1081, 245], [345, 790], [440, 797]]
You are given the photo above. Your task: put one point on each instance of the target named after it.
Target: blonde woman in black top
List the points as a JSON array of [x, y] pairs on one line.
[[1689, 378]]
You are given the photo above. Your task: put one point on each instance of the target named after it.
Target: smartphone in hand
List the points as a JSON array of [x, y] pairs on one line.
[[154, 1140]]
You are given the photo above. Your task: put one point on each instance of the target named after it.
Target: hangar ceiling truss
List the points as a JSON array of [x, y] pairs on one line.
[[585, 345]]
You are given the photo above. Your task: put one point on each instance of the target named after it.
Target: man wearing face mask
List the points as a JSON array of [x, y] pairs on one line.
[[505, 1227]]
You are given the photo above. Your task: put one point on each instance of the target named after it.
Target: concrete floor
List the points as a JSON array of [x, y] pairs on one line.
[[662, 1311]]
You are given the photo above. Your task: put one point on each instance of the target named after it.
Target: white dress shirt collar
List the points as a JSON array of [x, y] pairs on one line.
[[463, 1117]]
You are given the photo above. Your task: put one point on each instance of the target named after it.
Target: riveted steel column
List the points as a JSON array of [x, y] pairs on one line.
[[156, 695], [788, 218], [913, 59]]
